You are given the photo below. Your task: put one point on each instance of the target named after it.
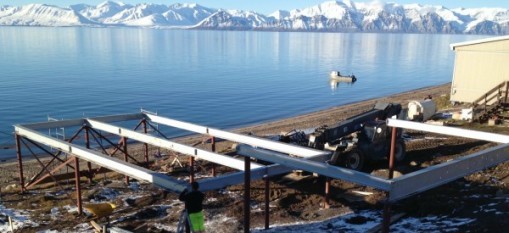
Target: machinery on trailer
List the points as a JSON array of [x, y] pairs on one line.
[[359, 139]]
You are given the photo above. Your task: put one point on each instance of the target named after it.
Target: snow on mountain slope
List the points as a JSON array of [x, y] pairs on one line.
[[100, 12], [331, 10], [280, 15], [336, 16], [41, 15]]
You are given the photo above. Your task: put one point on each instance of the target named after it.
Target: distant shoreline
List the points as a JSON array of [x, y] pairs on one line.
[[309, 120]]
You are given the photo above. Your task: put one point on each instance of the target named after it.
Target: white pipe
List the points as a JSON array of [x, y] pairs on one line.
[[447, 130]]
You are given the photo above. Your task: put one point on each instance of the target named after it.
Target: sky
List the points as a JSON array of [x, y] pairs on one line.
[[267, 6]]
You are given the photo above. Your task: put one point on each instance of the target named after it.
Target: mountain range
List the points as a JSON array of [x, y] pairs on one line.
[[330, 16]]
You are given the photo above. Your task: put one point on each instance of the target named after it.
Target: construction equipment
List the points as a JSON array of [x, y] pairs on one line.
[[359, 139]]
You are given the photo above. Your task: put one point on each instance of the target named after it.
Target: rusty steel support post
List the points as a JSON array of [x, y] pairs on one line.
[[247, 193], [89, 164], [78, 186], [145, 145], [126, 157], [326, 204], [387, 204], [391, 156], [191, 169], [213, 142], [20, 163], [386, 217], [267, 197]]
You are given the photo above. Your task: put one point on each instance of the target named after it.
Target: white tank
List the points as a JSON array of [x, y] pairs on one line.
[[421, 110]]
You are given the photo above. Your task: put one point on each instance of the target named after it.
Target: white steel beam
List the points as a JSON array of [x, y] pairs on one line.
[[318, 167], [428, 178], [452, 131], [185, 149], [111, 163], [80, 122], [235, 137], [256, 174]]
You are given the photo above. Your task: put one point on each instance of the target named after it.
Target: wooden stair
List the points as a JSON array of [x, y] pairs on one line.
[[492, 104]]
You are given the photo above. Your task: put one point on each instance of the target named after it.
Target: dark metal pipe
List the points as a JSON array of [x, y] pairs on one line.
[[213, 142], [191, 169], [247, 193], [89, 164], [391, 156], [267, 197], [386, 217], [20, 163], [78, 186], [145, 145], [387, 204], [126, 157], [326, 204]]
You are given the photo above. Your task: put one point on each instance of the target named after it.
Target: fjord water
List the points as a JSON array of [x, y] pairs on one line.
[[221, 79]]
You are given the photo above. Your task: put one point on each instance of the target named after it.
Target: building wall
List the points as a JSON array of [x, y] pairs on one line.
[[478, 68]]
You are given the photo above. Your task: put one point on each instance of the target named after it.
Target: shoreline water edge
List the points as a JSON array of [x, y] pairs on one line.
[[313, 119]]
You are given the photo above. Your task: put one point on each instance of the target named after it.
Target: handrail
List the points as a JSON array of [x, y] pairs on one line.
[[488, 93], [497, 95]]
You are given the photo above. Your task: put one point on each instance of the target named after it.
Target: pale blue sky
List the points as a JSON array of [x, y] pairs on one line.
[[267, 6]]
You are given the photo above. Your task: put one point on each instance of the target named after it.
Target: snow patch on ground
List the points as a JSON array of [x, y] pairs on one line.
[[364, 220], [19, 219]]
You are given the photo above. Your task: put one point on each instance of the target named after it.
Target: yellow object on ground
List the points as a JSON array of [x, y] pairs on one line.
[[100, 209]]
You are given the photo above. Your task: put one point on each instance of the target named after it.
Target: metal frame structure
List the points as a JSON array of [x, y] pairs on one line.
[[252, 147]]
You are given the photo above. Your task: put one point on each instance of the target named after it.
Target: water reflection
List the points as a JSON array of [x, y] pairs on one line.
[[334, 83]]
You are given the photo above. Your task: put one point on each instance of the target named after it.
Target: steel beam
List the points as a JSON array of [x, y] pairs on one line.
[[428, 178], [163, 143], [250, 140], [80, 122], [111, 163], [451, 131], [225, 180], [318, 167]]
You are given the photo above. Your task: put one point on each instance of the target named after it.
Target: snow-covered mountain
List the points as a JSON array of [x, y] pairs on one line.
[[334, 16]]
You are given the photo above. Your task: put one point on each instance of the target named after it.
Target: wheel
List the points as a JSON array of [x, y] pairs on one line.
[[354, 160], [400, 151]]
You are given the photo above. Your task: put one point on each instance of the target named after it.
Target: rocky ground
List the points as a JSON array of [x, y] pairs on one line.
[[481, 198]]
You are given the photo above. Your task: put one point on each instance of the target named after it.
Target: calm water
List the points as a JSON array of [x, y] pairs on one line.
[[222, 79]]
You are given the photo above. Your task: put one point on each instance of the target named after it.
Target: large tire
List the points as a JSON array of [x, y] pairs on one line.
[[400, 152], [354, 160]]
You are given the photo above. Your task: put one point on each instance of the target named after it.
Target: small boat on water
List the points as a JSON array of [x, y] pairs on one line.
[[336, 75]]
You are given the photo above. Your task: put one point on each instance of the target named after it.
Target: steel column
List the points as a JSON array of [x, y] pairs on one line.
[[267, 197], [247, 193], [391, 155], [89, 164], [386, 217], [191, 169], [126, 157], [326, 204], [213, 145], [20, 163], [78, 186], [387, 204], [145, 145]]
